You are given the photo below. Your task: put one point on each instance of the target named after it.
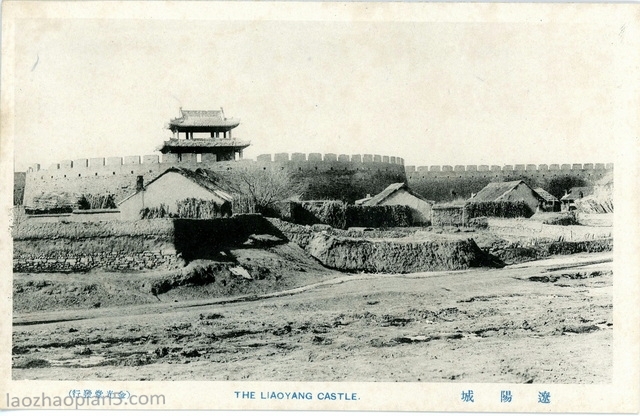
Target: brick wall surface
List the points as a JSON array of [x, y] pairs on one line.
[[115, 175], [328, 176]]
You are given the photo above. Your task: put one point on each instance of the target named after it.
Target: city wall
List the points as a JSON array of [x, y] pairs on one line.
[[328, 176], [446, 183]]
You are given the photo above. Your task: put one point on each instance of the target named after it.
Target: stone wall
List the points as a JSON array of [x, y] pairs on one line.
[[106, 260], [329, 176], [77, 216]]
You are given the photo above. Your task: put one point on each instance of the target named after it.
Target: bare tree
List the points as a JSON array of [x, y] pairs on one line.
[[265, 187]]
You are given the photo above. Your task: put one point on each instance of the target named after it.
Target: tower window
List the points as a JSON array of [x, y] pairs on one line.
[[198, 158]]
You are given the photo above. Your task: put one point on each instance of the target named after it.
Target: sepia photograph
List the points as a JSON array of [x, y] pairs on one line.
[[355, 195]]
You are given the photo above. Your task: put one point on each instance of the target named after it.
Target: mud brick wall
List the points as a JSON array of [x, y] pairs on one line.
[[134, 245], [448, 215], [394, 256], [517, 254]]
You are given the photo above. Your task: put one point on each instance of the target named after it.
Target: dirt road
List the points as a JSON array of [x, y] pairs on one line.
[[544, 321]]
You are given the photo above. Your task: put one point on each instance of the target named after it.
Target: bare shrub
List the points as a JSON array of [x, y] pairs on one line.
[[263, 188], [101, 201]]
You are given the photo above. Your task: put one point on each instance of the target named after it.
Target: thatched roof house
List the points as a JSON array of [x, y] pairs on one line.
[[574, 194], [549, 202], [508, 191], [400, 194], [171, 186]]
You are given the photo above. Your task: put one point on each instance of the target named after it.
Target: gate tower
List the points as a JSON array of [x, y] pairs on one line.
[[205, 135]]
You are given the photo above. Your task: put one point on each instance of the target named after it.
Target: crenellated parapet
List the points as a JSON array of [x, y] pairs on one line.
[[150, 163], [318, 162], [118, 175], [329, 157], [98, 163], [530, 168], [328, 175], [446, 182]]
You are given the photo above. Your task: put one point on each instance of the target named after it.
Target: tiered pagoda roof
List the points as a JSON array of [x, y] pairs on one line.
[[201, 145], [202, 121], [212, 122]]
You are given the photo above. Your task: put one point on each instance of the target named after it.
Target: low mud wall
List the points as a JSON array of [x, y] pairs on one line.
[[27, 230], [529, 229], [395, 256], [303, 234], [448, 215], [76, 247], [134, 245], [512, 254]]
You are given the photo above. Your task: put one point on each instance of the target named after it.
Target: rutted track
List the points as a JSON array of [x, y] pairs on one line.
[[540, 266], [482, 325]]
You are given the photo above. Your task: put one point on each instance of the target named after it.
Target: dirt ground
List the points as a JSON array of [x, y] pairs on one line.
[[546, 321], [257, 271]]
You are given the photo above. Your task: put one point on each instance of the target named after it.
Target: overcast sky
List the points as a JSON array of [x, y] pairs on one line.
[[432, 93]]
